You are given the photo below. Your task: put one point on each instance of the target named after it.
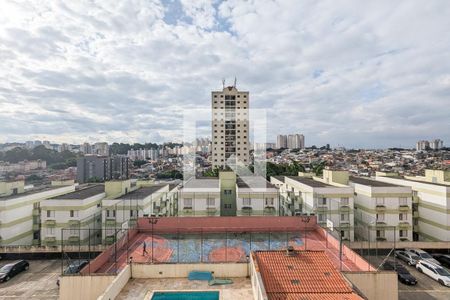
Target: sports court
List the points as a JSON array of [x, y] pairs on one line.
[[219, 240]]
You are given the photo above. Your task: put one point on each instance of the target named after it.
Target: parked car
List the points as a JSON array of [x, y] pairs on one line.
[[444, 259], [403, 274], [408, 257], [437, 272], [12, 269], [74, 267], [423, 255]]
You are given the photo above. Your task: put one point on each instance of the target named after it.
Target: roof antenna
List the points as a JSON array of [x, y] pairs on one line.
[[223, 83], [235, 81]]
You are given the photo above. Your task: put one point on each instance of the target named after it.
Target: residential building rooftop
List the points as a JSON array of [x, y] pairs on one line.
[[301, 275], [253, 181], [309, 181], [371, 182], [32, 191], [82, 193], [142, 192]]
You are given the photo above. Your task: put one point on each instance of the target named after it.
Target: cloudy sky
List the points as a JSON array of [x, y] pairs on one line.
[[352, 73]]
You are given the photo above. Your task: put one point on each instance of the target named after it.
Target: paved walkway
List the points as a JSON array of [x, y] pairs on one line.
[[137, 288]]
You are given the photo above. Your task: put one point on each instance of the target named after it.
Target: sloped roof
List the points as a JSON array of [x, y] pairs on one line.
[[305, 275]]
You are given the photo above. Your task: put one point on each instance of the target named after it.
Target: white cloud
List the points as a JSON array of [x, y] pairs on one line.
[[351, 73]]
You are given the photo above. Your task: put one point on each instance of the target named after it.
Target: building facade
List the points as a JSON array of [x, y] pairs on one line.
[[20, 211], [430, 203], [92, 168], [230, 127], [383, 211]]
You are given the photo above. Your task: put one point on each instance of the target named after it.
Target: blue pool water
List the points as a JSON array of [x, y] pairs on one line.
[[185, 296]]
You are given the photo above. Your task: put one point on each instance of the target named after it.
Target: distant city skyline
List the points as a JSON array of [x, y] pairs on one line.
[[362, 75]]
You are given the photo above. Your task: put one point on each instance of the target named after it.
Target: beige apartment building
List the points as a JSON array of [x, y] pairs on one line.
[[430, 203], [230, 127]]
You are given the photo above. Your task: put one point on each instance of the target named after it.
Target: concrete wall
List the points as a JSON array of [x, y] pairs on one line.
[[83, 287], [375, 285], [116, 285], [182, 270], [259, 292]]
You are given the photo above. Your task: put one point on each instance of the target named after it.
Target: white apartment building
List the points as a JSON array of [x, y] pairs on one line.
[[125, 203], [230, 126], [296, 141], [332, 202], [431, 203], [20, 211], [256, 197], [281, 141], [228, 196], [73, 218], [383, 211], [199, 197]]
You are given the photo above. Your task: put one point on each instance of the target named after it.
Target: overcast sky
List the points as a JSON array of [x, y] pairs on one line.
[[351, 73]]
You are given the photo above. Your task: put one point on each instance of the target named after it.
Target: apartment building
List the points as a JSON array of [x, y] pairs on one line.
[[256, 197], [200, 197], [20, 211], [93, 168], [125, 202], [73, 218], [383, 211], [430, 204], [228, 195], [230, 127], [306, 194]]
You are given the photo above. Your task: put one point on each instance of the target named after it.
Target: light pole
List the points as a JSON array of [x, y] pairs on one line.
[[305, 219], [153, 221]]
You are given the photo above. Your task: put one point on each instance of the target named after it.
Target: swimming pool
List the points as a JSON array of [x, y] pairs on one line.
[[213, 295]]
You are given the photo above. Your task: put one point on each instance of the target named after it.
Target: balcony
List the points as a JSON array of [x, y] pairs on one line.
[[404, 224], [344, 208], [187, 211], [380, 207], [50, 223], [269, 210], [110, 222], [381, 239], [247, 210], [404, 207], [74, 223], [381, 223], [74, 239], [211, 211]]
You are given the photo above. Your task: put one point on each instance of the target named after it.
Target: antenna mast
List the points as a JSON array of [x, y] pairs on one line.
[[223, 83], [235, 81]]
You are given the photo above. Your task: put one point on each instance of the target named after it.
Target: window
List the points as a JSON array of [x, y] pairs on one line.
[[344, 201], [323, 201], [380, 233], [403, 201], [403, 217], [187, 202], [131, 213], [210, 201], [50, 230], [269, 201], [74, 213], [344, 217], [380, 217], [321, 218], [403, 233], [110, 213], [227, 206], [227, 192], [74, 231], [50, 213], [246, 201], [379, 201]]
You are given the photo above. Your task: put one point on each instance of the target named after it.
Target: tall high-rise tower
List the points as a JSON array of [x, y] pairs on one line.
[[230, 127]]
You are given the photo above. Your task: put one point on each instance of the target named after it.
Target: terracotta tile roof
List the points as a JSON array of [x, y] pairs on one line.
[[305, 275]]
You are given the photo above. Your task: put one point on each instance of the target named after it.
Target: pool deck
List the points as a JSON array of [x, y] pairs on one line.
[[139, 288]]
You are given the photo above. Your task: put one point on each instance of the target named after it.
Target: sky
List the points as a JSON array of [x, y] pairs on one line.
[[359, 74]]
